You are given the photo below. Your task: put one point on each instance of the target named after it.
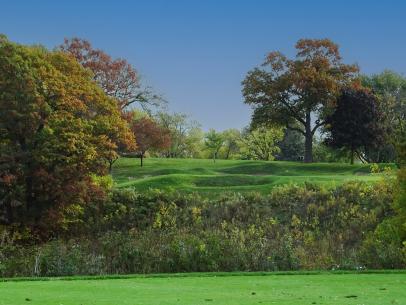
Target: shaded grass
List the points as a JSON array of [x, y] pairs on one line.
[[318, 288], [204, 176]]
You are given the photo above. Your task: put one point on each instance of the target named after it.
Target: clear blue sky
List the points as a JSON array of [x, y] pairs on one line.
[[196, 53]]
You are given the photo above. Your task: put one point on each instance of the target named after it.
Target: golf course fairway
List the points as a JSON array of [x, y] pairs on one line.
[[293, 289]]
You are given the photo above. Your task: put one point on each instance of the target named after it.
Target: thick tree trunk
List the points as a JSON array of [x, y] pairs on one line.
[[308, 157]]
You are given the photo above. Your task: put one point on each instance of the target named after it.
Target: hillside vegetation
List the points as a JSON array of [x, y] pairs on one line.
[[205, 176]]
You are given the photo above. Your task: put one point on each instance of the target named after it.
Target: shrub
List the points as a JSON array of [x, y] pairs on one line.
[[294, 227]]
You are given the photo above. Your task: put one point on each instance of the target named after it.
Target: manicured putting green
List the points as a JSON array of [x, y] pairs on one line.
[[331, 289], [204, 176]]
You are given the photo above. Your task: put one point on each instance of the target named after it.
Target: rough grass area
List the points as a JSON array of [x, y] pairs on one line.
[[204, 176], [294, 289]]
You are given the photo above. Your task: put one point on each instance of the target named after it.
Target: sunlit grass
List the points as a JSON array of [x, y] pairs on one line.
[[292, 289], [205, 176]]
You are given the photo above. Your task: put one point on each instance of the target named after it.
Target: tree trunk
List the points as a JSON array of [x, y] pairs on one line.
[[214, 158], [308, 157], [111, 163], [228, 153], [142, 159]]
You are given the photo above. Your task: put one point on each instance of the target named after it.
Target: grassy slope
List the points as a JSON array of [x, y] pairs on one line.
[[230, 175], [349, 289]]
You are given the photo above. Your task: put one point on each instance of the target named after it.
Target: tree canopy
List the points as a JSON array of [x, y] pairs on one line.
[[186, 135], [213, 141], [290, 92], [356, 123], [261, 143], [150, 136], [231, 142], [390, 89], [117, 77], [291, 146], [56, 129]]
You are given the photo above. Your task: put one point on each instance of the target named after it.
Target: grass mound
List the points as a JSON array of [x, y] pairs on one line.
[[204, 176]]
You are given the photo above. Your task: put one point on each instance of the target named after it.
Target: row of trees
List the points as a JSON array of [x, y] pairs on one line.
[[316, 93], [256, 144], [175, 136], [364, 118]]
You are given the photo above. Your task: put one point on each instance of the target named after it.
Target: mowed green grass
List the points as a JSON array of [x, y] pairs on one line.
[[331, 289], [205, 176]]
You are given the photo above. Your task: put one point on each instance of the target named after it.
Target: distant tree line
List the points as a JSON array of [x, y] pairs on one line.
[[310, 108]]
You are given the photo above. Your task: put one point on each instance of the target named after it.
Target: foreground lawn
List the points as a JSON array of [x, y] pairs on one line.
[[204, 176], [340, 289]]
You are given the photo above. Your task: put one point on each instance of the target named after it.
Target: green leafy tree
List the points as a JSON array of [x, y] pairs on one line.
[[185, 134], [390, 88], [213, 141], [194, 145], [231, 142], [400, 204], [291, 146], [325, 153], [57, 128], [261, 143], [291, 92], [356, 123], [388, 241]]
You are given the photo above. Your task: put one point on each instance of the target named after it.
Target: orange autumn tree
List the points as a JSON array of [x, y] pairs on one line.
[[57, 127], [298, 93], [150, 136], [117, 77]]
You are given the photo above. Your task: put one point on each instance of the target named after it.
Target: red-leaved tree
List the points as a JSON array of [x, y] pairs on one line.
[[150, 136]]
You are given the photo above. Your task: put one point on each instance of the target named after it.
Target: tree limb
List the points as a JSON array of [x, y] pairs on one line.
[[293, 112], [318, 124]]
